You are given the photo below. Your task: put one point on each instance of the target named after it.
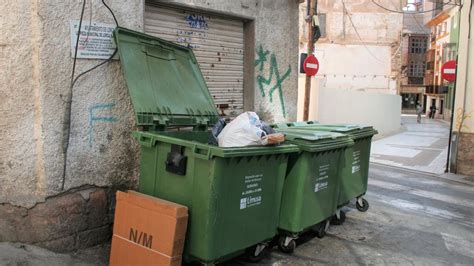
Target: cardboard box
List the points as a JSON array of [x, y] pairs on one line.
[[147, 230], [125, 252]]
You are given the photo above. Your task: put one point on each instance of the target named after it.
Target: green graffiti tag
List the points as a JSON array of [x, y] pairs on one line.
[[274, 71], [262, 57]]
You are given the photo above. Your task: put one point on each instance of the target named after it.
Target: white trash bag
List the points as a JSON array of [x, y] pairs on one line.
[[244, 130]]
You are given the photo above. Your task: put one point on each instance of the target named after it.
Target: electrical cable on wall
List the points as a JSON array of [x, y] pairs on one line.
[[108, 59], [67, 119], [415, 12], [357, 32]]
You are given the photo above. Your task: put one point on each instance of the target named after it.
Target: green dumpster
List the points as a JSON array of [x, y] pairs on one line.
[[310, 191], [356, 170], [233, 194]]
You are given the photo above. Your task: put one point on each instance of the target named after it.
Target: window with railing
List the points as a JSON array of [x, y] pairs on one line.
[[449, 51], [416, 69], [417, 44]]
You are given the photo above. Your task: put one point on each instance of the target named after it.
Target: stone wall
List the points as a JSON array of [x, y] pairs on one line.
[[465, 154], [79, 218], [50, 179]]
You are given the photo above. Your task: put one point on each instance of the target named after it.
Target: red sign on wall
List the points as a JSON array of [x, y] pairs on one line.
[[311, 65], [448, 71]]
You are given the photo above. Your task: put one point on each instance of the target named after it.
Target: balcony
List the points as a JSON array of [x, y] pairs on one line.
[[415, 81], [436, 89]]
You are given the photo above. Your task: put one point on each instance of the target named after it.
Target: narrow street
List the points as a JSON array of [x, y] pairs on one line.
[[421, 147], [161, 132], [414, 218]]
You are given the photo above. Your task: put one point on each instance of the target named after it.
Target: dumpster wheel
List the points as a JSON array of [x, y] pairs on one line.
[[362, 204], [256, 253], [335, 220], [286, 244], [322, 229]]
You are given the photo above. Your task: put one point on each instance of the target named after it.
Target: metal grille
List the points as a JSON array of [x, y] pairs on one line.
[[217, 42]]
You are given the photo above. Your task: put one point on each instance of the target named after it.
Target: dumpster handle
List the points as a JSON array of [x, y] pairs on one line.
[[146, 141], [202, 152]]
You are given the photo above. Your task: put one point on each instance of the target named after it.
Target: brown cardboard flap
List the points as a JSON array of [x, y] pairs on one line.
[[150, 222], [128, 253], [150, 202]]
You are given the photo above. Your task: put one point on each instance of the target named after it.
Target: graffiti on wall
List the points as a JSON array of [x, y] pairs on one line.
[[272, 81], [461, 117], [190, 38], [195, 33], [94, 118], [197, 22]]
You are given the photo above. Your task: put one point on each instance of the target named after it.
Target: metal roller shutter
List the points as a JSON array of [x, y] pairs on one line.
[[217, 42]]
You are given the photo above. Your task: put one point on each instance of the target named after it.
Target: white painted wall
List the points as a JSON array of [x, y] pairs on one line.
[[464, 106], [353, 71], [380, 110], [355, 67]]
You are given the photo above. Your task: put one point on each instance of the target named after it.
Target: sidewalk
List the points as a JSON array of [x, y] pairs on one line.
[[421, 147]]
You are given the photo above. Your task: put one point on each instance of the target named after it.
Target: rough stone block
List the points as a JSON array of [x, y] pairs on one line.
[[60, 216], [76, 219], [63, 244], [94, 237], [465, 156], [97, 207], [10, 216]]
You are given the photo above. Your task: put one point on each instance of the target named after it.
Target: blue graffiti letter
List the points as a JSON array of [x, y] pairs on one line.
[[93, 119]]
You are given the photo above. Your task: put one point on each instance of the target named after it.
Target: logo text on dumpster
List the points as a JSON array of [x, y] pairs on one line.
[[356, 162], [322, 178], [251, 196]]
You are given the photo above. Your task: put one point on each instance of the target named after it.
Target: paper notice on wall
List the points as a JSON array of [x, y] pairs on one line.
[[95, 41]]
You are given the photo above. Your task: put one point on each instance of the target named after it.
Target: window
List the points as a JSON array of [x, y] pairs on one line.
[[418, 45], [416, 69], [322, 24], [449, 51], [454, 21], [438, 7]]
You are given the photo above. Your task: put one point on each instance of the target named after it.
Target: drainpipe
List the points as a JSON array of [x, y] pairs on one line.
[[446, 170], [307, 87]]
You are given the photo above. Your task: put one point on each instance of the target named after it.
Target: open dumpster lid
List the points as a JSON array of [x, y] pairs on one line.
[[164, 81]]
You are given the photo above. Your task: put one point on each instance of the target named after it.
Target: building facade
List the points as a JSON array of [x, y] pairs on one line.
[[414, 46], [443, 48], [359, 54], [64, 151]]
